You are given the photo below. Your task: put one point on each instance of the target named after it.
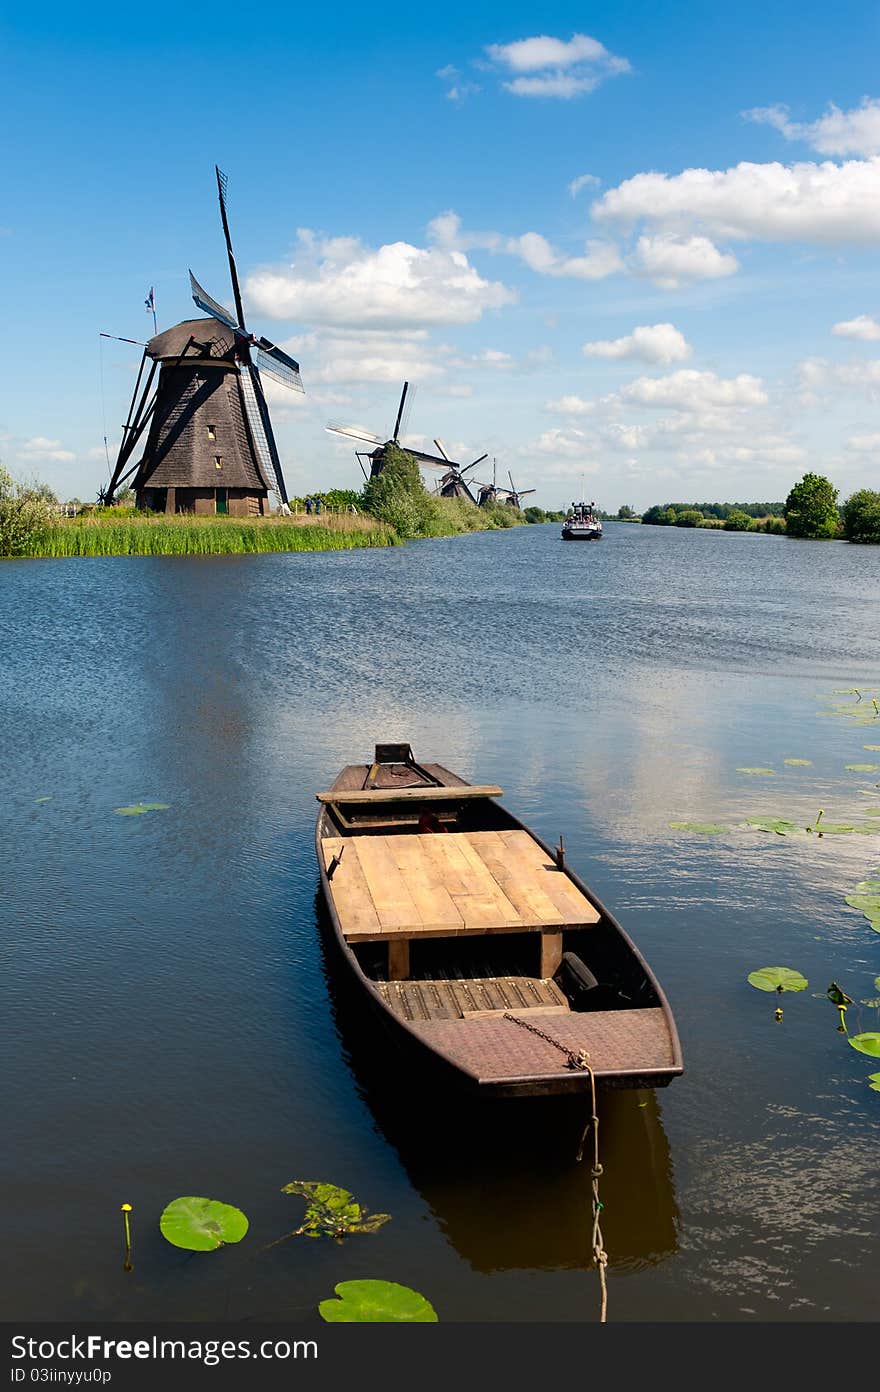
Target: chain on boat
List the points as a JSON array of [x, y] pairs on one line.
[[581, 1061]]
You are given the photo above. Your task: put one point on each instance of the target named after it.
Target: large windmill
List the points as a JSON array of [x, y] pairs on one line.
[[209, 445]]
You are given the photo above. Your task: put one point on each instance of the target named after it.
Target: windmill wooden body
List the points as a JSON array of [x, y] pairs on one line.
[[204, 425]]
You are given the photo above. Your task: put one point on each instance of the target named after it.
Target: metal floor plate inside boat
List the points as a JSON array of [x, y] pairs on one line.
[[466, 996]]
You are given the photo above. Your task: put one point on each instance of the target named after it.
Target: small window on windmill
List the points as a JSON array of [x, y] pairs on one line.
[[218, 461], [212, 433]]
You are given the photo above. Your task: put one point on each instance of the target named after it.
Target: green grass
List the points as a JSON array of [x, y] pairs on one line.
[[148, 536]]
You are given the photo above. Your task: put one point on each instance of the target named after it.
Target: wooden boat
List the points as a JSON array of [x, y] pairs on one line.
[[476, 943]]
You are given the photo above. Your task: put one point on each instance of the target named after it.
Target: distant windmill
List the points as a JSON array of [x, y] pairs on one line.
[[209, 446], [489, 491], [453, 483], [514, 495], [450, 486]]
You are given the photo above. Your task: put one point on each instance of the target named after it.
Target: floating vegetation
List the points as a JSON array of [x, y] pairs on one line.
[[202, 1225], [701, 828], [780, 825], [874, 748], [778, 979], [874, 1002], [765, 772], [866, 1043], [798, 763], [331, 1212], [874, 1082], [376, 1302], [137, 809], [43, 799], [838, 997], [863, 768]]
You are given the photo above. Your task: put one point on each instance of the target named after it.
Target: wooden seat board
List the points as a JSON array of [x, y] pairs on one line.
[[351, 893], [541, 869], [532, 904], [425, 881], [394, 905]]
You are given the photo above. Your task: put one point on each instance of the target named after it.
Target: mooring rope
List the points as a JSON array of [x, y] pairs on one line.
[[581, 1061]]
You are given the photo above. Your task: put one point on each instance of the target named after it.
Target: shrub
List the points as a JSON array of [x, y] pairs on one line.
[[861, 516], [690, 517], [737, 521], [25, 516]]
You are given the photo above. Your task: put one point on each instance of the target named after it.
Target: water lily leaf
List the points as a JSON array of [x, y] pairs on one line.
[[333, 1212], [873, 747], [798, 763], [875, 1002], [43, 799], [778, 979], [780, 825], [867, 829], [868, 887], [137, 809], [702, 828], [764, 771], [871, 811], [866, 1043], [868, 903], [202, 1225], [833, 828], [862, 768], [877, 982], [874, 1082], [376, 1302]]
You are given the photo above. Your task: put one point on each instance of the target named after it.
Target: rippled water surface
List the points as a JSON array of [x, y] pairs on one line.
[[176, 1024]]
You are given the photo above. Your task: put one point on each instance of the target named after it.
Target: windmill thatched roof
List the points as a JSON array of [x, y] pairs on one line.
[[171, 342]]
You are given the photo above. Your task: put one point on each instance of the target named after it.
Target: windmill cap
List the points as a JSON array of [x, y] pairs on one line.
[[172, 342]]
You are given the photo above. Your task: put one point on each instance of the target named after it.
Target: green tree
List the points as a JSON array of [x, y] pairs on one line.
[[861, 516], [689, 517], [625, 513], [811, 508], [737, 521], [25, 516]]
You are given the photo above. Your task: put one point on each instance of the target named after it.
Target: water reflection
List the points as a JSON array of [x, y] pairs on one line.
[[501, 1177]]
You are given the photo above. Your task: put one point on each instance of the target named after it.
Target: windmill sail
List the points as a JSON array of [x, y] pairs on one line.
[[258, 433], [210, 305], [276, 364]]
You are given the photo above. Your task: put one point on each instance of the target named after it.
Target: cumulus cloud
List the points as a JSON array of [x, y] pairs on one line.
[[821, 203], [671, 261], [854, 132], [691, 390], [654, 343], [864, 444], [581, 182], [863, 327], [816, 375], [570, 406], [38, 447], [544, 66], [341, 282], [600, 258]]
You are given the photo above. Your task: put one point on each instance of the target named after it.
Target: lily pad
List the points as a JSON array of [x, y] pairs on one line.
[[332, 1212], [701, 828], [868, 887], [376, 1302], [43, 799], [202, 1225], [137, 809], [764, 771], [874, 1082], [868, 903], [866, 1043], [874, 1002], [798, 763], [778, 979], [871, 811], [875, 748], [862, 768], [832, 828], [780, 825]]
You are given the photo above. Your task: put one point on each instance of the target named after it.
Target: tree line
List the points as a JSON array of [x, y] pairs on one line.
[[810, 511]]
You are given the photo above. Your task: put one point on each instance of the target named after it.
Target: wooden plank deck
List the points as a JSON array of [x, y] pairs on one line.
[[410, 885], [471, 997]]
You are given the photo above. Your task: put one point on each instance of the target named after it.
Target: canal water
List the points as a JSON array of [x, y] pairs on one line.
[[174, 1023]]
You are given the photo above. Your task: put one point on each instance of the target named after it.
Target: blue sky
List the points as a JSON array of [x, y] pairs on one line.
[[567, 232]]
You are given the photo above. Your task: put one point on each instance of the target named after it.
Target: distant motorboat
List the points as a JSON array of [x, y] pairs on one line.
[[582, 523]]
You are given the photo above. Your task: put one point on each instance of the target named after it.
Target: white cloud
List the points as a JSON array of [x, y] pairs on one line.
[[544, 66], [817, 375], [671, 261], [823, 203], [600, 258], [570, 406], [864, 444], [343, 283], [654, 343], [863, 327], [855, 132], [38, 447], [581, 182], [691, 390]]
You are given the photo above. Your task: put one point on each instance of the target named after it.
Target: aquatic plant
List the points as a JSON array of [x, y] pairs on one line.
[[137, 809], [331, 1212], [866, 1043], [841, 1000], [764, 771], [701, 828], [160, 535], [126, 1228], [798, 763], [874, 1082], [863, 768], [376, 1302], [202, 1225], [778, 979], [780, 825]]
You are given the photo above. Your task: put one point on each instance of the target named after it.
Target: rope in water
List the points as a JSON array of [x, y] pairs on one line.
[[581, 1061]]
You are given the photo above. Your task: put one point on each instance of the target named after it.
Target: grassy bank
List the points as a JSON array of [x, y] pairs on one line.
[[140, 535]]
